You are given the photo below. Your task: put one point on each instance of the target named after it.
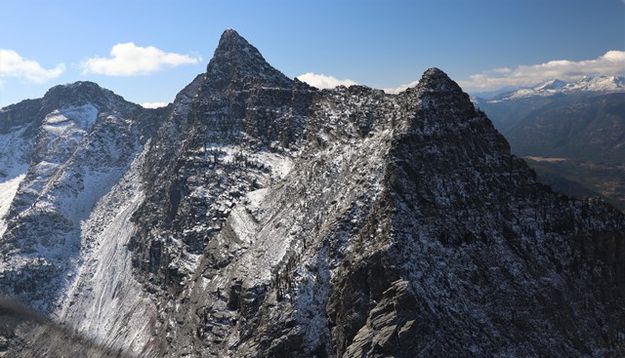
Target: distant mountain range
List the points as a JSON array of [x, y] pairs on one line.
[[572, 133], [586, 85]]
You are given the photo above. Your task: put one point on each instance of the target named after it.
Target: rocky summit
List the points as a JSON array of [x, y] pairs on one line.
[[257, 216]]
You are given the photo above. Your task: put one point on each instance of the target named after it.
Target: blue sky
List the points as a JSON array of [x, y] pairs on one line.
[[379, 43]]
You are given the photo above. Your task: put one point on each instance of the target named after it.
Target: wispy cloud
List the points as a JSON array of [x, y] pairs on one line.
[[610, 63], [154, 104], [14, 65], [324, 81], [128, 59]]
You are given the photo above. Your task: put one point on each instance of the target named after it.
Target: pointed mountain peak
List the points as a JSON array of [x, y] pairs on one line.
[[434, 72], [236, 60], [437, 90], [232, 43], [234, 49], [434, 79], [232, 38]]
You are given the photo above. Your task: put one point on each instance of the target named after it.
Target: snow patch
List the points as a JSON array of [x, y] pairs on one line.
[[8, 188], [13, 166], [83, 117], [280, 165]]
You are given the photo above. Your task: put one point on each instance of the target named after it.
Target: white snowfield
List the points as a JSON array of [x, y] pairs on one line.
[[63, 129], [8, 188], [13, 148]]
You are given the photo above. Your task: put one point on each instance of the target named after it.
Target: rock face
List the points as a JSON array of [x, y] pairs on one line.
[[258, 216]]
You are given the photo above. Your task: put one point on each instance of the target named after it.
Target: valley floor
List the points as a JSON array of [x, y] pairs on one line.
[[582, 178]]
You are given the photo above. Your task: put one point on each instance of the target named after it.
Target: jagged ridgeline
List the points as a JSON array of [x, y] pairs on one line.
[[257, 216]]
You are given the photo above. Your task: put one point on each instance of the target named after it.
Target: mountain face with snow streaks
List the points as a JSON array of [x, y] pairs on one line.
[[257, 216]]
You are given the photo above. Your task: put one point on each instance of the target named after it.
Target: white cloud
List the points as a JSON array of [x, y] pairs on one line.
[[128, 59], [324, 81], [14, 65], [154, 104], [401, 88], [610, 63]]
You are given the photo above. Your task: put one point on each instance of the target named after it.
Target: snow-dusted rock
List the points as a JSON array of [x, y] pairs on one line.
[[258, 216]]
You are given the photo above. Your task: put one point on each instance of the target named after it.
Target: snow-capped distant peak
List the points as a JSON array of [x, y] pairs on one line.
[[599, 83], [552, 87]]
